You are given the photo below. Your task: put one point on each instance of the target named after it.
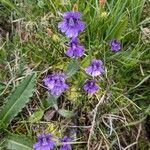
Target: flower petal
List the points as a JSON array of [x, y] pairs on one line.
[[63, 26], [69, 52], [78, 52]]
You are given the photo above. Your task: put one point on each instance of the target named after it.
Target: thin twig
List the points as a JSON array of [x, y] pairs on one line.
[[130, 146], [139, 132]]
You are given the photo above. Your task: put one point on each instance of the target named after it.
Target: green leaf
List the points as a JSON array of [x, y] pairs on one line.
[[36, 116], [72, 68], [65, 113], [50, 101], [17, 100], [17, 142]]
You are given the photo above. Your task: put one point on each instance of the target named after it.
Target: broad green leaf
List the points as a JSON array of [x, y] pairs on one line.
[[65, 113], [17, 100], [72, 68], [36, 116], [17, 142], [50, 101]]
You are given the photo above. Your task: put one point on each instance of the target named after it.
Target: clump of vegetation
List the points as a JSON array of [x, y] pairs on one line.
[[75, 74]]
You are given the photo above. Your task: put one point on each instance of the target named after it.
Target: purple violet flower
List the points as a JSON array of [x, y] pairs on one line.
[[115, 45], [95, 68], [44, 142], [56, 83], [71, 24], [75, 49], [90, 86], [65, 146]]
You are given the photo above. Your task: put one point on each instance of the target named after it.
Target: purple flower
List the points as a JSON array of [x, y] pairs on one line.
[[44, 142], [95, 68], [90, 86], [75, 49], [115, 45], [65, 146], [56, 83], [71, 24]]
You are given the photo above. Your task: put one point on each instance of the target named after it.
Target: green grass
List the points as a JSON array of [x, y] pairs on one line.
[[34, 44]]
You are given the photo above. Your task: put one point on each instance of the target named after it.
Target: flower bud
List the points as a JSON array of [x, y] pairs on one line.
[[102, 2]]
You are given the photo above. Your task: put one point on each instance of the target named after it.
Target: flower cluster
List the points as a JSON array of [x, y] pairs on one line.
[[45, 142], [74, 48], [90, 86], [56, 83], [115, 45], [72, 26], [95, 68], [65, 146]]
